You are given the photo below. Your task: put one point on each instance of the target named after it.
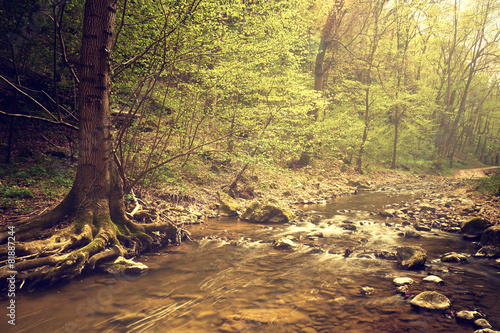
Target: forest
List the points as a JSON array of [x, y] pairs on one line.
[[119, 116]]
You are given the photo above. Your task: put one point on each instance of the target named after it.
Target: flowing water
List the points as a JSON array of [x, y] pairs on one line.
[[241, 283]]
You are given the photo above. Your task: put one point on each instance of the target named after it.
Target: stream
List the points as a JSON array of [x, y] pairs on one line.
[[238, 281]]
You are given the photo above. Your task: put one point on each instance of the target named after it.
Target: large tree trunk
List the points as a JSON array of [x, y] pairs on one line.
[[99, 228]]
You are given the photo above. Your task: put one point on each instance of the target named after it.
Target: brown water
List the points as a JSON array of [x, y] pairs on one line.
[[216, 286]]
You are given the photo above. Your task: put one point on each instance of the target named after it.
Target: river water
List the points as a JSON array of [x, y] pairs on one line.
[[239, 282]]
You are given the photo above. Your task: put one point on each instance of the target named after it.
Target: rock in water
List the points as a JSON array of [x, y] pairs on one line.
[[482, 323], [402, 281], [453, 257], [468, 316], [474, 227], [228, 206], [411, 257], [431, 300], [270, 212], [491, 236], [433, 278]]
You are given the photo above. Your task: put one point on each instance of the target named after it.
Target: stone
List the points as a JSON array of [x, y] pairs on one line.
[[421, 227], [468, 315], [427, 208], [228, 205], [411, 257], [122, 265], [387, 213], [367, 290], [285, 243], [491, 236], [474, 227], [402, 281], [434, 279], [386, 255], [482, 323], [271, 212], [488, 251], [411, 233], [453, 257], [347, 226], [486, 330], [431, 300]]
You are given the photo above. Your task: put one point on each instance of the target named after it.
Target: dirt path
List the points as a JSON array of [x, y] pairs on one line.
[[473, 173]]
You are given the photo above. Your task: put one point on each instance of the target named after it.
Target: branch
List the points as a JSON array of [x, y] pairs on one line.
[[55, 122], [30, 97], [189, 151]]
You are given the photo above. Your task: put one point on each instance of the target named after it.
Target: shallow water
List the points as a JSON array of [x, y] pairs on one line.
[[213, 285]]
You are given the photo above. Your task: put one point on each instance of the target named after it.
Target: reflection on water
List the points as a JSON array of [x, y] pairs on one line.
[[217, 286]]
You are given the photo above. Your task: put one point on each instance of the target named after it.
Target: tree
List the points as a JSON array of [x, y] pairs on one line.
[[94, 207]]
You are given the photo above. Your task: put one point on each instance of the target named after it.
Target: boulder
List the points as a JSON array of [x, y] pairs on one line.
[[411, 257], [453, 257], [474, 227], [491, 236], [267, 212], [228, 206], [431, 300], [121, 265]]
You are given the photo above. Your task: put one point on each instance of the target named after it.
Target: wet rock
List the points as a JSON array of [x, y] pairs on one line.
[[486, 330], [491, 236], [421, 227], [433, 278], [453, 257], [228, 206], [387, 255], [482, 323], [121, 265], [474, 227], [405, 289], [411, 233], [285, 243], [387, 213], [348, 226], [367, 290], [488, 251], [270, 212], [402, 281], [431, 300], [411, 257], [427, 208], [468, 316]]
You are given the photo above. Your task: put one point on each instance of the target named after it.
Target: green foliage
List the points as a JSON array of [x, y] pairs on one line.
[[489, 185]]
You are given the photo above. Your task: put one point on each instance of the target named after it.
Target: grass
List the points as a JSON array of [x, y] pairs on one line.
[[489, 185]]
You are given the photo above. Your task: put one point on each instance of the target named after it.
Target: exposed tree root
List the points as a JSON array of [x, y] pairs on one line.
[[94, 235]]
